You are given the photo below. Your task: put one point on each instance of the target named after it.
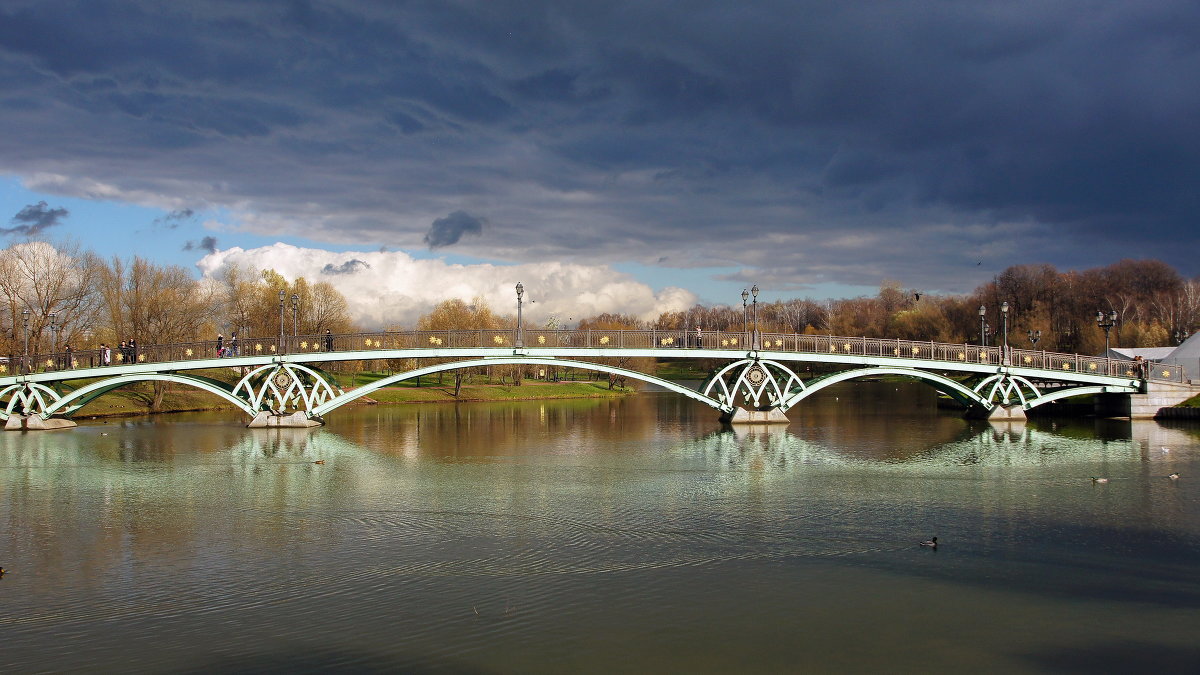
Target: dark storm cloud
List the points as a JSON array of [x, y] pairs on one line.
[[348, 267], [173, 219], [31, 220], [801, 139], [448, 230], [206, 244]]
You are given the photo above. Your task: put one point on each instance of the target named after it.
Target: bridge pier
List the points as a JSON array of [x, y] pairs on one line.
[[17, 422], [1002, 413], [743, 416], [296, 420]]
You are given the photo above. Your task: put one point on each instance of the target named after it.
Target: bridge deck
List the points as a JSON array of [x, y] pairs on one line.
[[594, 344]]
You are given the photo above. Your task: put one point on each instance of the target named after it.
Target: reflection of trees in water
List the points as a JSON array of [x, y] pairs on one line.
[[474, 431], [774, 448]]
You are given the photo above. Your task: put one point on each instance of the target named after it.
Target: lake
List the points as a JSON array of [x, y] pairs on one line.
[[603, 535]]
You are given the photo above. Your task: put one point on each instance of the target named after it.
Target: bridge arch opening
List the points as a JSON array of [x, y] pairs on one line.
[[952, 388], [364, 390]]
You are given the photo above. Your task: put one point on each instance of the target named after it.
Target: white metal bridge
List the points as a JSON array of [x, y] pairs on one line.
[[753, 378]]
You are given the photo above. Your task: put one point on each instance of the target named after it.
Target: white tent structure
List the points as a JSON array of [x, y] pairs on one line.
[[1188, 356], [1151, 354]]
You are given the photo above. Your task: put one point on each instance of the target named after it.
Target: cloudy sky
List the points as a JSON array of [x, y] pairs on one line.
[[622, 149]]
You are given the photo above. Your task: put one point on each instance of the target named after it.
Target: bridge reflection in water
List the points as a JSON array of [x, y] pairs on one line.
[[756, 378]]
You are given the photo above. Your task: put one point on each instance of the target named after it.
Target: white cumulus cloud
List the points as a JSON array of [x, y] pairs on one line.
[[388, 288]]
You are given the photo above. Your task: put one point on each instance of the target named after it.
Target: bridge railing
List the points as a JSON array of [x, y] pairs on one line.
[[733, 341]]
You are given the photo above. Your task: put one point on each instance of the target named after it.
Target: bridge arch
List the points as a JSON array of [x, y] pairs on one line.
[[349, 396], [1077, 391], [955, 390], [72, 402]]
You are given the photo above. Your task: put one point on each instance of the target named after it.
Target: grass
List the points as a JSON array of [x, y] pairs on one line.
[[1193, 402]]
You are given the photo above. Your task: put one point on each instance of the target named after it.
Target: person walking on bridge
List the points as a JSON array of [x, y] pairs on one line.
[[328, 340], [220, 345]]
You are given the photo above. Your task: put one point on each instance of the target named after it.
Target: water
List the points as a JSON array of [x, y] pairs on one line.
[[602, 536]]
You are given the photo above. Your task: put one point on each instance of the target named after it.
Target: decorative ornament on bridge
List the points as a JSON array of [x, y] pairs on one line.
[[284, 388], [26, 398], [759, 382], [1005, 389]]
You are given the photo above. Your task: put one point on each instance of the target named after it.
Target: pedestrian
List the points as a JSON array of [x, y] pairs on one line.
[[123, 352], [133, 355], [70, 358], [699, 336], [233, 346], [220, 345], [105, 355], [328, 340]]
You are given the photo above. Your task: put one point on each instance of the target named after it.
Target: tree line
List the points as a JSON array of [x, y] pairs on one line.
[[59, 296], [66, 295]]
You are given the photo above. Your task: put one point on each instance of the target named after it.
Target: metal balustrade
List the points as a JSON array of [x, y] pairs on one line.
[[935, 353]]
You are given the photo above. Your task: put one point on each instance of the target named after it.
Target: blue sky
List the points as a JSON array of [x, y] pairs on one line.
[[815, 148]]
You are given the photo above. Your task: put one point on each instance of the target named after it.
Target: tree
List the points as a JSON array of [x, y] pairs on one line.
[[454, 314], [156, 304], [615, 322], [44, 279]]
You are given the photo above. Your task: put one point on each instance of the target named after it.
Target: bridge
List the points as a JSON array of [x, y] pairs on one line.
[[281, 382]]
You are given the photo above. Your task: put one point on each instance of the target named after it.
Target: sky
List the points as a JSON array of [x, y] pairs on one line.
[[611, 156]]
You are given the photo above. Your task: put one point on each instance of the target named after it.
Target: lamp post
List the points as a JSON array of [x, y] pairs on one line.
[[53, 333], [754, 313], [25, 322], [295, 316], [982, 326], [1034, 336], [745, 297], [1004, 327], [1106, 321], [520, 329], [282, 295]]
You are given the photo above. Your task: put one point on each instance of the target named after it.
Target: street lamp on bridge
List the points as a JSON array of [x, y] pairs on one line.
[[745, 297], [1106, 321], [53, 332], [25, 322], [982, 326], [520, 329], [754, 313], [295, 316], [1004, 316], [282, 295]]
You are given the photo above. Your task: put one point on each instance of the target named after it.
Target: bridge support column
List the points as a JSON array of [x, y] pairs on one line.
[[296, 420], [743, 416], [1003, 413], [17, 422]]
